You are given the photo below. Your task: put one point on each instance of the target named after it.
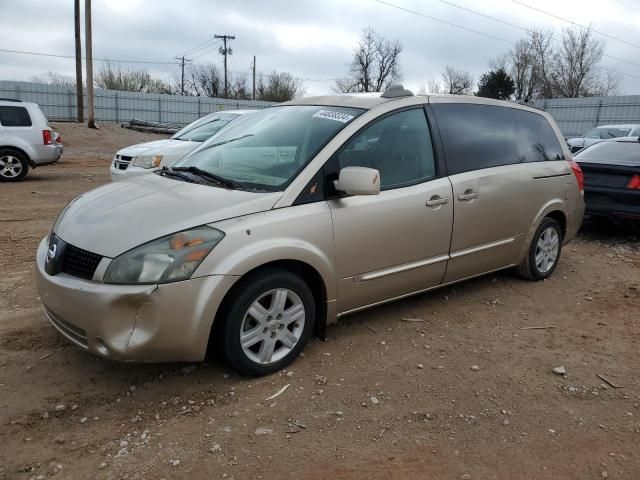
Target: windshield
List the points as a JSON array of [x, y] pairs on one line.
[[607, 132], [204, 128], [267, 149]]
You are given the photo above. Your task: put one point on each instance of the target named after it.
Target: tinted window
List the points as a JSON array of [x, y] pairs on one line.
[[611, 152], [398, 146], [477, 136], [14, 117], [538, 141]]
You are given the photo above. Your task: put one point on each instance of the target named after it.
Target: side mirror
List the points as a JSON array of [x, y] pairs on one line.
[[358, 181]]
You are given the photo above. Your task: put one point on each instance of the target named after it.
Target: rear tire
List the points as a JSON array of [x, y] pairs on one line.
[[13, 165], [268, 323], [544, 252]]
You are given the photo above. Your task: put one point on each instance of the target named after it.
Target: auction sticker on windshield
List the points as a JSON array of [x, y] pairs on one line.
[[333, 115]]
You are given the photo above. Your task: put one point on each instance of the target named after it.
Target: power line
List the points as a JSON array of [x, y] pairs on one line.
[[455, 25], [520, 27], [493, 36], [574, 23], [627, 5], [43, 54]]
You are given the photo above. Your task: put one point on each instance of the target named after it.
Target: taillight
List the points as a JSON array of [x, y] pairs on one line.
[[634, 183], [577, 171], [46, 137]]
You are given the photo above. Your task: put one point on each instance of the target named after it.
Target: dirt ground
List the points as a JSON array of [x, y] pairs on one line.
[[464, 391]]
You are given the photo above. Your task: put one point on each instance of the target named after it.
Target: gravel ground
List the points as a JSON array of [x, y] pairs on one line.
[[465, 390]]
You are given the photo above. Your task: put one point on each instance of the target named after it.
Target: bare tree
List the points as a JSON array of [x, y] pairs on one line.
[[54, 78], [115, 77], [205, 80], [574, 69], [457, 82], [523, 70], [434, 86], [375, 64], [541, 44], [278, 87]]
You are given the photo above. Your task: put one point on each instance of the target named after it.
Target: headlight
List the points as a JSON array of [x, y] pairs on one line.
[[168, 259], [147, 161]]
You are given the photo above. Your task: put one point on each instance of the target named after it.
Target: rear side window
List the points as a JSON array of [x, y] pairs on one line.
[[11, 116], [477, 136], [538, 142]]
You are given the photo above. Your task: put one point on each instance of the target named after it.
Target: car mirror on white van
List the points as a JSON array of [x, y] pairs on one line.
[[358, 181]]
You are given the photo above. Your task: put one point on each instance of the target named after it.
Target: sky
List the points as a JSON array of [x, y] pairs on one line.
[[311, 39]]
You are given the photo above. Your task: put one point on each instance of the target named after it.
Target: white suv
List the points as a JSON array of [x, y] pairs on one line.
[[26, 139]]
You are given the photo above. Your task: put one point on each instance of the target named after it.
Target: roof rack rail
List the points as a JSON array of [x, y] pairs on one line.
[[10, 100], [396, 91]]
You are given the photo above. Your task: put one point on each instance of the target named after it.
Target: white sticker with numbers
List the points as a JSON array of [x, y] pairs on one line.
[[333, 115]]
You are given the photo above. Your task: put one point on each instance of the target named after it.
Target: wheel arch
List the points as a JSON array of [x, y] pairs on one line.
[[555, 209], [304, 270]]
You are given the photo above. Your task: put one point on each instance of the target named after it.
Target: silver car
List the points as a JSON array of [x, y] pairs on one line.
[[26, 139], [603, 132], [305, 212]]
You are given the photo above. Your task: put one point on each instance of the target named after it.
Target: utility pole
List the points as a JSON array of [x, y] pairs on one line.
[[225, 51], [253, 67], [182, 60], [79, 92], [87, 32]]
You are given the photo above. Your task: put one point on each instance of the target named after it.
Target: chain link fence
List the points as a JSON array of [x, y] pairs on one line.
[[59, 104]]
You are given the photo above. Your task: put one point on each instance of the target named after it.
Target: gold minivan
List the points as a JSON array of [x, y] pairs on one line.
[[301, 213]]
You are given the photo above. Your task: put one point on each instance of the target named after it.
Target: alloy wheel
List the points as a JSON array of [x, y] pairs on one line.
[[10, 166], [547, 250], [272, 326]]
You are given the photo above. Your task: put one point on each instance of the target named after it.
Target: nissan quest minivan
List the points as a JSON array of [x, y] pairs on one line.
[[304, 212]]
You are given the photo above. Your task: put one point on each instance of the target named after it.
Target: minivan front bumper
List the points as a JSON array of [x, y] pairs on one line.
[[140, 323]]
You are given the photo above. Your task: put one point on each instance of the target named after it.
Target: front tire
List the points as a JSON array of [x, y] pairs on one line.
[[268, 323], [544, 251], [13, 165]]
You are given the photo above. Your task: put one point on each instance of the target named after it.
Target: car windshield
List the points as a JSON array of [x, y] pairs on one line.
[[204, 128], [607, 132], [267, 149]]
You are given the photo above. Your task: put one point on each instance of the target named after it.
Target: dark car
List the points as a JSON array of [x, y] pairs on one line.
[[612, 178]]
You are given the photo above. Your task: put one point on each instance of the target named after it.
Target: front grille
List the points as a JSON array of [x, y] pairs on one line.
[[121, 162], [73, 333], [79, 263]]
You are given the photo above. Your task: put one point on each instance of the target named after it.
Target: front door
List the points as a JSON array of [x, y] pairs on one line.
[[397, 242]]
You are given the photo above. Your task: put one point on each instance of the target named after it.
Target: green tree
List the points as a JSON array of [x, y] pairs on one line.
[[496, 84]]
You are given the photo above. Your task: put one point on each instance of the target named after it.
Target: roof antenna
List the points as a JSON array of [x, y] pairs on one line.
[[395, 91]]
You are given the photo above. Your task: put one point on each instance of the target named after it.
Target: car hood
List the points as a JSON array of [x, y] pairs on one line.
[[576, 142], [119, 216], [169, 146]]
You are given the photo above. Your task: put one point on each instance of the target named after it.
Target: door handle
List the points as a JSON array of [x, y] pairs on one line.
[[468, 195], [436, 200]]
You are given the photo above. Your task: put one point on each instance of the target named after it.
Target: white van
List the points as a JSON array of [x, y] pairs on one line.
[[146, 157]]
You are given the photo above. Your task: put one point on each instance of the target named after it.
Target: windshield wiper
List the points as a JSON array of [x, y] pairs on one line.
[[168, 172], [225, 142], [225, 182]]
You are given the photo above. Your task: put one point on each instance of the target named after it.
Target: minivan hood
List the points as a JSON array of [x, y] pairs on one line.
[[159, 147], [117, 217]]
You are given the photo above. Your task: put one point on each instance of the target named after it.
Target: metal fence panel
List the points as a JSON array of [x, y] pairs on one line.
[[576, 116], [59, 103]]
